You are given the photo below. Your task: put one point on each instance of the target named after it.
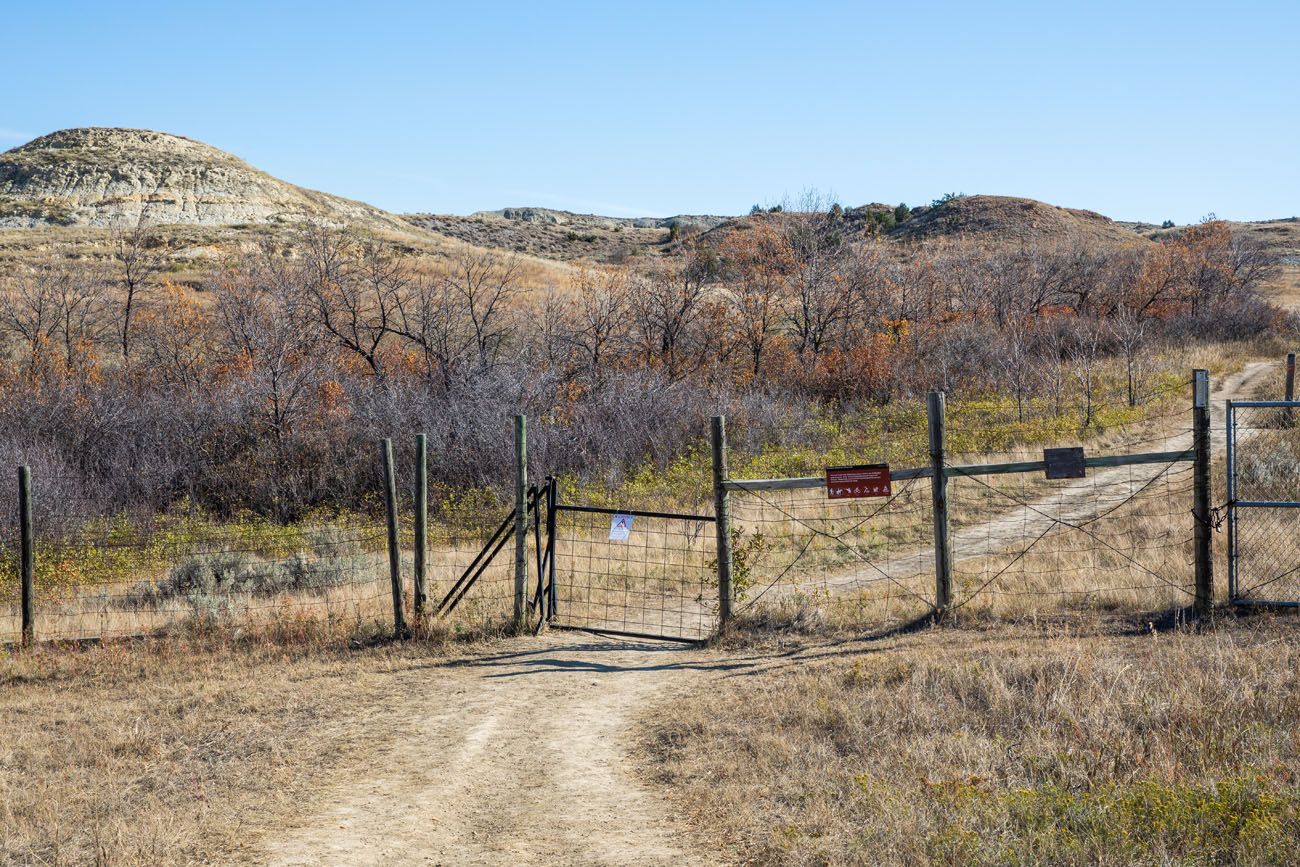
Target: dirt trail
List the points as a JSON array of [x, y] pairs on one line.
[[519, 760], [522, 755]]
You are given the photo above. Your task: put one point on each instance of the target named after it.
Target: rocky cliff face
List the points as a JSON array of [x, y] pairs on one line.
[[103, 177]]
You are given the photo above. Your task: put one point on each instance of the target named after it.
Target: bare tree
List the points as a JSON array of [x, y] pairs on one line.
[[1014, 363], [1130, 333], [1084, 355], [758, 263], [136, 251], [667, 303], [354, 284], [821, 297], [484, 282], [260, 317], [599, 315], [31, 312]]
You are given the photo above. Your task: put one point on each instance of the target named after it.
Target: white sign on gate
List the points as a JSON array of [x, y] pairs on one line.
[[620, 527]]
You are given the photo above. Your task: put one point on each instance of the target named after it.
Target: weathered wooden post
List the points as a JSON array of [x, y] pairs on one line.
[[421, 522], [722, 513], [1202, 531], [27, 576], [521, 522], [935, 410], [394, 543]]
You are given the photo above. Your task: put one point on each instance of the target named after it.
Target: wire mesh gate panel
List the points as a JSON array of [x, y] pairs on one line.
[[1022, 545], [1264, 502], [658, 581]]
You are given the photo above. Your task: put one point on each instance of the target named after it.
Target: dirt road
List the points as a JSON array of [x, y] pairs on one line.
[[520, 759], [521, 756]]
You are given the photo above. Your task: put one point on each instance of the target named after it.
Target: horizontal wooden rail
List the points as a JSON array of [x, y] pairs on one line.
[[1099, 462]]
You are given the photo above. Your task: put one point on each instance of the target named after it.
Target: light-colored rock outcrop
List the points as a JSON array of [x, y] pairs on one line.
[[102, 177]]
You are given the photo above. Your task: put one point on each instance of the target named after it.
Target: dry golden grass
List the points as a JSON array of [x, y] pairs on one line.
[[187, 749], [1022, 745]]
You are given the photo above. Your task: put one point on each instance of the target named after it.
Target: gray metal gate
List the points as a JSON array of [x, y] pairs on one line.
[[1264, 502]]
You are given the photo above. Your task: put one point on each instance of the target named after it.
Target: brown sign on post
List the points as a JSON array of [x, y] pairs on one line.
[[1065, 463], [869, 480]]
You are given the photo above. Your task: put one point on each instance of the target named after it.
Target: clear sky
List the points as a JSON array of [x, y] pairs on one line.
[[1140, 110]]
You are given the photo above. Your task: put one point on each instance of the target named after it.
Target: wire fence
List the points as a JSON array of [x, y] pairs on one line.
[[113, 577], [109, 576], [1119, 538]]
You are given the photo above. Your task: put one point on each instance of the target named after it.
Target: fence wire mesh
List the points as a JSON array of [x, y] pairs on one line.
[[798, 554], [660, 581], [1119, 539], [112, 577], [1266, 503], [455, 543]]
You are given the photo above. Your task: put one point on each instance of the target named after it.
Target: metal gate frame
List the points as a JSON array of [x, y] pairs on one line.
[[1234, 504], [553, 615]]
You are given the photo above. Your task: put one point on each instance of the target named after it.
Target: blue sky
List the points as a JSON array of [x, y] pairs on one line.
[[1140, 110]]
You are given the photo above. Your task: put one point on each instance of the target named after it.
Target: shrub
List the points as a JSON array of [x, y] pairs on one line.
[[204, 579]]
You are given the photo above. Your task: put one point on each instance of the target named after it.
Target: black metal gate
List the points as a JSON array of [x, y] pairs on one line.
[[1264, 502], [630, 572]]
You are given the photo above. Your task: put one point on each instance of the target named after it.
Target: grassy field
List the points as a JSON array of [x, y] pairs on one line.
[[185, 750], [1101, 743]]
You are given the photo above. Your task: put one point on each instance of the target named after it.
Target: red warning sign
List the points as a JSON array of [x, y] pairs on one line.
[[869, 480]]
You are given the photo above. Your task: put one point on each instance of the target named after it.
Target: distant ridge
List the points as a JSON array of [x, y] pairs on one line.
[[98, 176], [596, 221]]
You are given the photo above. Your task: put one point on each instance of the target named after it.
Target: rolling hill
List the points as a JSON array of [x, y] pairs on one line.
[[99, 177]]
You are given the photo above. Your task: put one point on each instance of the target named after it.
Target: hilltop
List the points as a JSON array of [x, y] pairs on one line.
[[1009, 219], [98, 176]]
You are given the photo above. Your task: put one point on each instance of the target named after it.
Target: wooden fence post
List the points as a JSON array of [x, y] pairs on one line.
[[394, 543], [421, 522], [27, 575], [935, 410], [722, 514], [521, 522], [1201, 493]]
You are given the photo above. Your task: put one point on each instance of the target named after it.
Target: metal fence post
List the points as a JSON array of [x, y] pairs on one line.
[[421, 522], [1203, 532], [27, 576], [935, 410], [722, 513], [521, 522], [552, 502], [394, 549], [1289, 413]]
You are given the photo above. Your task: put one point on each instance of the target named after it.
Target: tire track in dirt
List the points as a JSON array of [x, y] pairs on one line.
[[522, 759]]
